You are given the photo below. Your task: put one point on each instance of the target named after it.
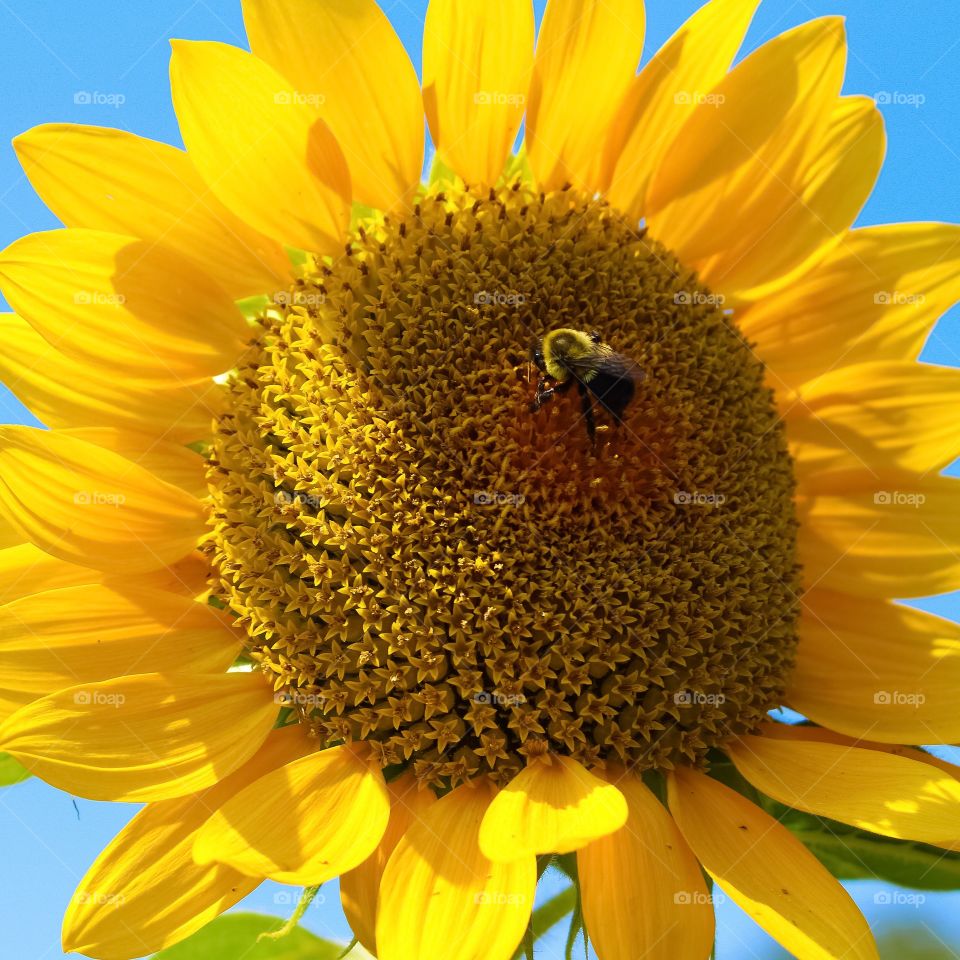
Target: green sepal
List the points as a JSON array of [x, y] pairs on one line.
[[253, 307], [361, 215], [306, 898], [297, 256], [441, 173], [518, 168]]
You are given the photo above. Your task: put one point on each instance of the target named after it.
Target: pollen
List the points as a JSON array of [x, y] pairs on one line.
[[420, 562]]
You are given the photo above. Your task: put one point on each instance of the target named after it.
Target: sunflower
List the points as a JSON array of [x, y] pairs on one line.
[[296, 566]]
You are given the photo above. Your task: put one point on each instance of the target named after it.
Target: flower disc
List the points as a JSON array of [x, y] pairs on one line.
[[422, 562]]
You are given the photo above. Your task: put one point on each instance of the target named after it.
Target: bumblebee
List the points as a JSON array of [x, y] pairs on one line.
[[566, 357]]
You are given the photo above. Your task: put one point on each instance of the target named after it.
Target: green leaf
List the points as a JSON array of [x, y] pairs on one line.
[[11, 772], [852, 854], [916, 942], [549, 914], [235, 935]]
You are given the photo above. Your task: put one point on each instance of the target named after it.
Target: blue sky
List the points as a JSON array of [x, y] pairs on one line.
[[117, 53]]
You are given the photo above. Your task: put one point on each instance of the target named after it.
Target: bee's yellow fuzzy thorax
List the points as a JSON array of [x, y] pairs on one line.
[[564, 342]]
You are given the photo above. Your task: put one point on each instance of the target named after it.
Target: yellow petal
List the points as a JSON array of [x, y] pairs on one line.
[[766, 871], [304, 823], [871, 668], [477, 58], [441, 897], [771, 730], [894, 413], [874, 297], [89, 506], [145, 892], [878, 792], [116, 181], [783, 731], [749, 146], [64, 392], [10, 535], [553, 805], [805, 734], [888, 534], [150, 736], [829, 191], [61, 638], [171, 462], [346, 60], [26, 570], [586, 60], [359, 888], [263, 152], [189, 576], [660, 100], [642, 889], [124, 306]]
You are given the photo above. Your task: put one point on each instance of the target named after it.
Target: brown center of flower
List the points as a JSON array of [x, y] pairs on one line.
[[421, 562]]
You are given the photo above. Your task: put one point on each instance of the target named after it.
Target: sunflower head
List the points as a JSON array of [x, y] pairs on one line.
[[324, 566], [421, 563]]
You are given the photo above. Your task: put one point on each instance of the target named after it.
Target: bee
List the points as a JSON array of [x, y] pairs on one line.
[[566, 357]]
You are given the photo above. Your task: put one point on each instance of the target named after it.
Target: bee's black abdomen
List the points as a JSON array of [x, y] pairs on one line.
[[613, 391]]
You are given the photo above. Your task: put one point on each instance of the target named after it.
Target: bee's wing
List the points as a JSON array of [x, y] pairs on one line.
[[611, 378]]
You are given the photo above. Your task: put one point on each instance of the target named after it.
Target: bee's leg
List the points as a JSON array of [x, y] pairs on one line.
[[586, 407], [544, 393]]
